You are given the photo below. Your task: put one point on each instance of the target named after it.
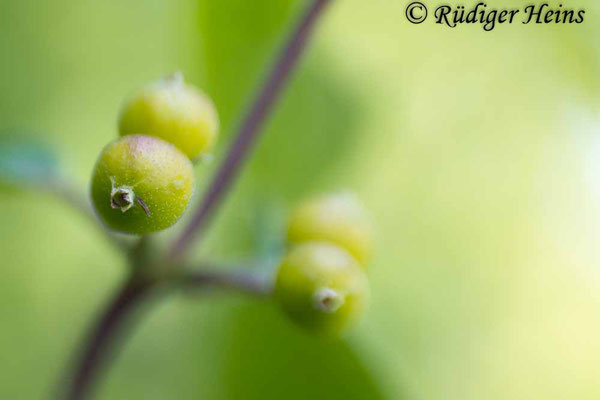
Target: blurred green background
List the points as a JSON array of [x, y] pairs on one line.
[[478, 154]]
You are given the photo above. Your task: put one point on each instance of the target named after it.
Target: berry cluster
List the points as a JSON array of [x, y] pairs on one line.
[[321, 282], [143, 182]]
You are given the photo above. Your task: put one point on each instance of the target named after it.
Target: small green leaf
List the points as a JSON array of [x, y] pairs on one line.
[[24, 163], [269, 236]]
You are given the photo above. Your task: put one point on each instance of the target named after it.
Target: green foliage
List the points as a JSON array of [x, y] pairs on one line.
[[474, 151], [274, 359], [26, 163], [312, 130]]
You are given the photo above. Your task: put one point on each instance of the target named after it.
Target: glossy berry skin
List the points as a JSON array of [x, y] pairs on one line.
[[175, 112], [321, 287], [141, 184], [337, 218]]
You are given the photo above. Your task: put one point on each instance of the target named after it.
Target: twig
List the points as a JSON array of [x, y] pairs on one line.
[[242, 281], [100, 344], [249, 129], [102, 337]]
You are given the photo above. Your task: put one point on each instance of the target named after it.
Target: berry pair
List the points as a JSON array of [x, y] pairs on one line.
[[143, 182], [321, 282]]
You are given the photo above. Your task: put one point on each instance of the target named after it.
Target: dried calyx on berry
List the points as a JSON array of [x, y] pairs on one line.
[[141, 184], [321, 287]]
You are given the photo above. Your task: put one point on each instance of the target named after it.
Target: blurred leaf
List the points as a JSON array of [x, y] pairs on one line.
[[270, 358], [238, 38], [269, 220], [312, 129], [24, 163], [472, 152]]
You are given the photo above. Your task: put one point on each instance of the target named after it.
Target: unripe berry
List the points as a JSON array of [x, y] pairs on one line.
[[321, 287], [175, 112], [141, 184], [337, 218]]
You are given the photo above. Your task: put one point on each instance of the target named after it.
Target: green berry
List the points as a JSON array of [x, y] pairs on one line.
[[175, 112], [337, 218], [321, 287], [141, 184]]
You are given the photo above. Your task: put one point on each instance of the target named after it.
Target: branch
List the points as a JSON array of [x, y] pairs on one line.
[[96, 349], [250, 128], [109, 328]]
